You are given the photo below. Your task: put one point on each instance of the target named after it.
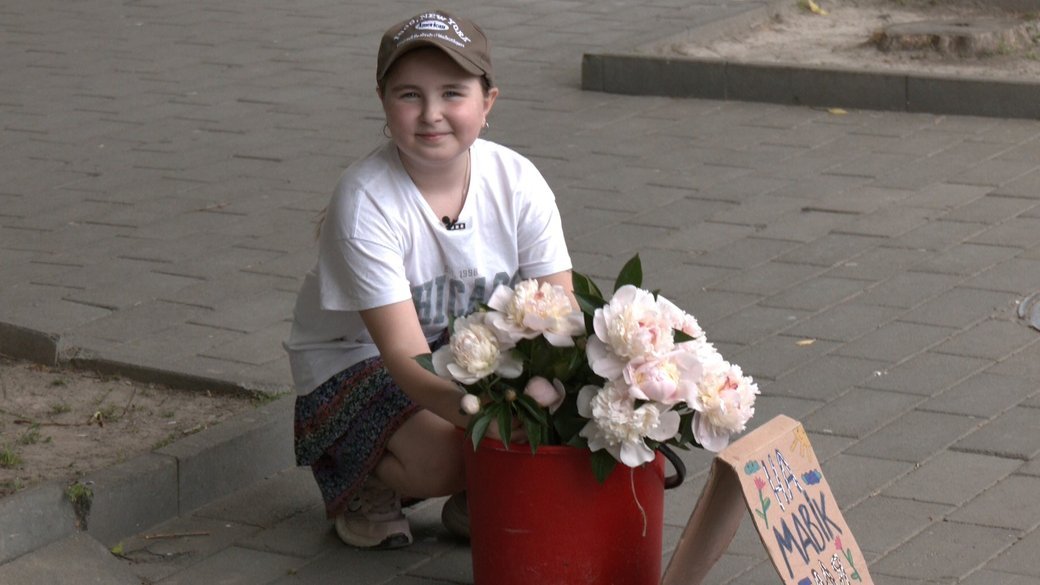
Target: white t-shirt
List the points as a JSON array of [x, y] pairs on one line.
[[381, 243]]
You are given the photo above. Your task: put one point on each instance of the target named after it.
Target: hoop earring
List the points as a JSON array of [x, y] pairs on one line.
[[386, 130], [485, 129]]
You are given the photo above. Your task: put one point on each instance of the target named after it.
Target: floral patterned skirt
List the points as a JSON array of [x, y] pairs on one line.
[[341, 429]]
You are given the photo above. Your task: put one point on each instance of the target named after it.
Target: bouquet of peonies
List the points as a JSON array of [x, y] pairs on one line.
[[621, 377]]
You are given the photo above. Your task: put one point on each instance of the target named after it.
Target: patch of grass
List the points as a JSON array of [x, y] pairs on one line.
[[79, 493], [261, 398], [110, 413], [11, 486], [165, 441], [60, 408], [32, 435], [8, 458], [82, 498]]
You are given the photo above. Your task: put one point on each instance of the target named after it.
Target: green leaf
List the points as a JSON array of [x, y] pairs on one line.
[[567, 422], [576, 363], [631, 273], [584, 285], [681, 336], [577, 441], [686, 429], [505, 423], [426, 361], [540, 358], [589, 303], [535, 433], [534, 412], [602, 464], [478, 426]]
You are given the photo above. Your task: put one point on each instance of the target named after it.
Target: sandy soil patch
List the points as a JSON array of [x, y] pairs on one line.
[[843, 38], [57, 424]]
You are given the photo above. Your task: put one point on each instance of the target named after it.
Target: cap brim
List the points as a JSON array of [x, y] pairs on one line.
[[467, 65]]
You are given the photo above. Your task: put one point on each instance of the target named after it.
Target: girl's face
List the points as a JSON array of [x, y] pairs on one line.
[[434, 109]]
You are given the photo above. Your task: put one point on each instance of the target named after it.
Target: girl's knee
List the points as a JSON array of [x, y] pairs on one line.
[[442, 470], [431, 463]]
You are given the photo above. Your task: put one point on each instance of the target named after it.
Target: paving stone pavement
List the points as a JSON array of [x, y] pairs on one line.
[[161, 166]]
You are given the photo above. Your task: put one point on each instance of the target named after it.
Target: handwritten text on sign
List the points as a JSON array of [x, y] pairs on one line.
[[796, 515]]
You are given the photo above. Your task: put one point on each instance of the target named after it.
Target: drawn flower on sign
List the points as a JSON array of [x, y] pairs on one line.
[[764, 501], [837, 542], [812, 477], [751, 468], [855, 572]]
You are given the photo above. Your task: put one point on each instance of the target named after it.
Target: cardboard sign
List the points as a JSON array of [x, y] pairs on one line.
[[772, 473]]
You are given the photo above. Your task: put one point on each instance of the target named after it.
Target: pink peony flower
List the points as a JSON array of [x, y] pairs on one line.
[[670, 379], [546, 394], [724, 403], [632, 326]]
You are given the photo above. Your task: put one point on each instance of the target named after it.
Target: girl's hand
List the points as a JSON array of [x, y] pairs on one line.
[[517, 433]]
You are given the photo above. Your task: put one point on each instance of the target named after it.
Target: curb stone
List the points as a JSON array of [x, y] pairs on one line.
[[34, 518], [635, 71], [76, 558], [27, 344], [50, 349]]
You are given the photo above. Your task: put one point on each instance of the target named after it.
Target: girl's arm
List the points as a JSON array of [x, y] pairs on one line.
[[396, 331], [561, 279], [565, 280]]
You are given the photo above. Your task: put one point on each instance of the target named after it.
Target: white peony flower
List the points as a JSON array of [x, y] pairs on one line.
[[680, 319], [724, 403], [632, 326], [531, 310], [474, 352], [615, 424]]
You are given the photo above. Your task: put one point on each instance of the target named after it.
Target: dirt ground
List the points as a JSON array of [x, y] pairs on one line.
[[59, 423], [842, 37]]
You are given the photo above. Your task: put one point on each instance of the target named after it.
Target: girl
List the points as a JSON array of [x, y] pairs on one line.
[[419, 231]]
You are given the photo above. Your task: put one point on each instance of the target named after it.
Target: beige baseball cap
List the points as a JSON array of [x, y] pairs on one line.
[[460, 39]]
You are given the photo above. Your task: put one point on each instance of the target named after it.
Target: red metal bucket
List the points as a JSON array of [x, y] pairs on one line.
[[544, 518]]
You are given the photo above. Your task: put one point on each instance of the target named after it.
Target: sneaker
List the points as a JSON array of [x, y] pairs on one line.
[[374, 520], [455, 515]]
